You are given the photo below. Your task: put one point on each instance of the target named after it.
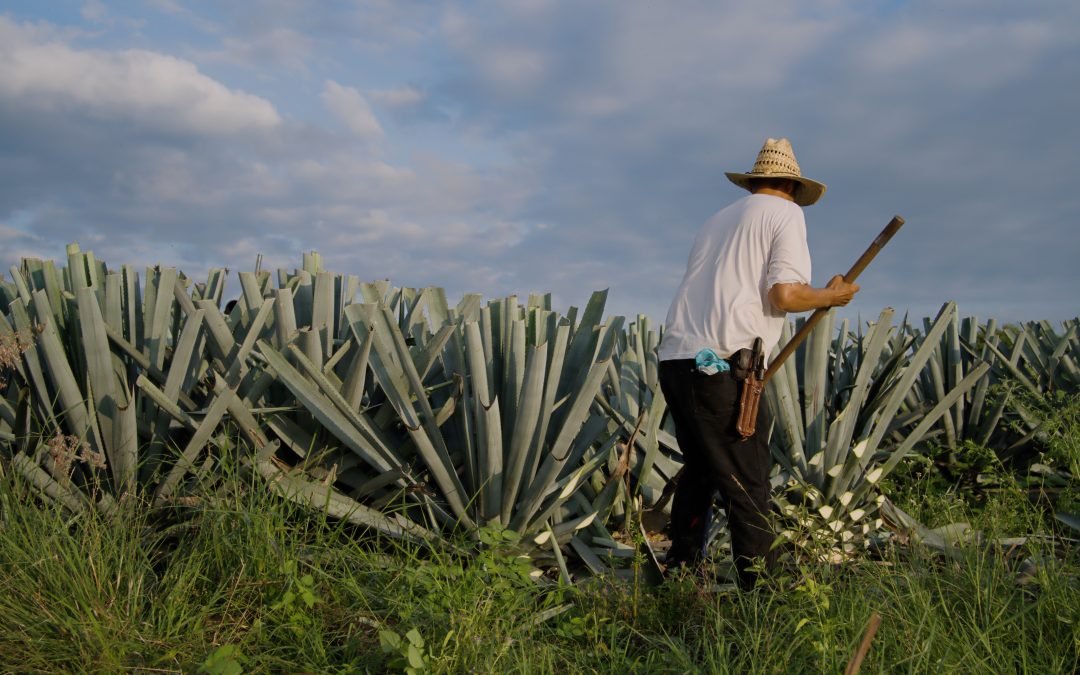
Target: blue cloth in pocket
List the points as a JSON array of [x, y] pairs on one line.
[[709, 363]]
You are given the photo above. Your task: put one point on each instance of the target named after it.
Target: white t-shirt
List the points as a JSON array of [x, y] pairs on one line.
[[739, 254]]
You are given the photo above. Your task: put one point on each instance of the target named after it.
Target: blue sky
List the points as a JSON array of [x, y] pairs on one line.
[[534, 146]]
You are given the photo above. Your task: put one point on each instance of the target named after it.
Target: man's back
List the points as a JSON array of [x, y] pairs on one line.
[[722, 303]]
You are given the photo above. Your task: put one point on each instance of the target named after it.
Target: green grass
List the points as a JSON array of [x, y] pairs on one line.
[[247, 582], [243, 581]]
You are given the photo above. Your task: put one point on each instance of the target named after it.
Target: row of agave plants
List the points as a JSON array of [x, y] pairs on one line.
[[395, 410], [854, 403]]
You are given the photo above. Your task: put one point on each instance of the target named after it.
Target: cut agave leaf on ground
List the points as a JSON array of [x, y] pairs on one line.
[[1070, 519]]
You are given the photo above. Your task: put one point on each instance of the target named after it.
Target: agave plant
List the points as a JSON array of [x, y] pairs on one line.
[[457, 417], [834, 450], [125, 388], [382, 405], [650, 457], [78, 426], [1030, 358], [1039, 362]]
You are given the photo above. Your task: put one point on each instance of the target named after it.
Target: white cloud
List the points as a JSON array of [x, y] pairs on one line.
[[168, 6], [513, 67], [398, 97], [350, 106], [16, 244], [502, 53], [280, 46], [978, 55], [177, 11], [94, 10], [722, 46], [148, 88]]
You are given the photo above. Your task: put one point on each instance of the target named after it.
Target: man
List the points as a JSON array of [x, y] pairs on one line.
[[749, 266]]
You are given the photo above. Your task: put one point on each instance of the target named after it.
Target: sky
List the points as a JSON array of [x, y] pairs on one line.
[[548, 146]]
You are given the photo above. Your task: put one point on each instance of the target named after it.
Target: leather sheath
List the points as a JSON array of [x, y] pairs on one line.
[[749, 401]]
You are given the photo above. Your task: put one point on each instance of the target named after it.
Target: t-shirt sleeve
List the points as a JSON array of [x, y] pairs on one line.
[[789, 256]]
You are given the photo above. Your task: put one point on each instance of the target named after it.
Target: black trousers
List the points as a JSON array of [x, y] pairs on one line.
[[717, 459]]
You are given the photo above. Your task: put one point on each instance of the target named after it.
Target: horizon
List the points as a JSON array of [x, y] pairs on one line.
[[856, 316]]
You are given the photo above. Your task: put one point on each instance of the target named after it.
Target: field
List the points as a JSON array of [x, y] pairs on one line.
[[328, 475]]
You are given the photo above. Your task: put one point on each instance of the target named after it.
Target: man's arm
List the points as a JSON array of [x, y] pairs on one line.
[[803, 297]]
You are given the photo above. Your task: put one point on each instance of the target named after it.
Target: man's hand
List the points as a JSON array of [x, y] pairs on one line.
[[843, 291], [803, 297]]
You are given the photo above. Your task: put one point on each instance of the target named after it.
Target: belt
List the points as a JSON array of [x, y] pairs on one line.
[[731, 360], [692, 363]]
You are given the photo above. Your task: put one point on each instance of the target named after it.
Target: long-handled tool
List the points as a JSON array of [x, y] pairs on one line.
[[754, 384]]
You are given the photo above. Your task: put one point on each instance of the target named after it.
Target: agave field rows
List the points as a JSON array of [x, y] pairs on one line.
[[395, 410]]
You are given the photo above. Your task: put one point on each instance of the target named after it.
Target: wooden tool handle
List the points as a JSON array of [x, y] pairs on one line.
[[878, 244], [852, 274]]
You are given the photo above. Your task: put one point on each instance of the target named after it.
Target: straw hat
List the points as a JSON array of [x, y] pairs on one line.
[[777, 160]]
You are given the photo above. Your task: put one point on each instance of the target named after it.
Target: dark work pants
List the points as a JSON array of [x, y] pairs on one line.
[[705, 409]]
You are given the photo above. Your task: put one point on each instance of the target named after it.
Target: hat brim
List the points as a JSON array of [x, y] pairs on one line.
[[807, 192]]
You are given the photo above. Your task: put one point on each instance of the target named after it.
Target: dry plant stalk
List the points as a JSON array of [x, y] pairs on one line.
[[66, 449], [12, 346]]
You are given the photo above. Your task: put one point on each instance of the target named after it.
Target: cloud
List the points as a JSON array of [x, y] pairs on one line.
[[398, 97], [172, 7], [981, 54], [94, 11], [556, 146], [91, 163], [350, 106], [176, 11], [278, 46], [299, 36], [147, 88], [561, 60]]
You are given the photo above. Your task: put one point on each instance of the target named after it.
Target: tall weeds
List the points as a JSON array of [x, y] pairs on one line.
[[245, 580]]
